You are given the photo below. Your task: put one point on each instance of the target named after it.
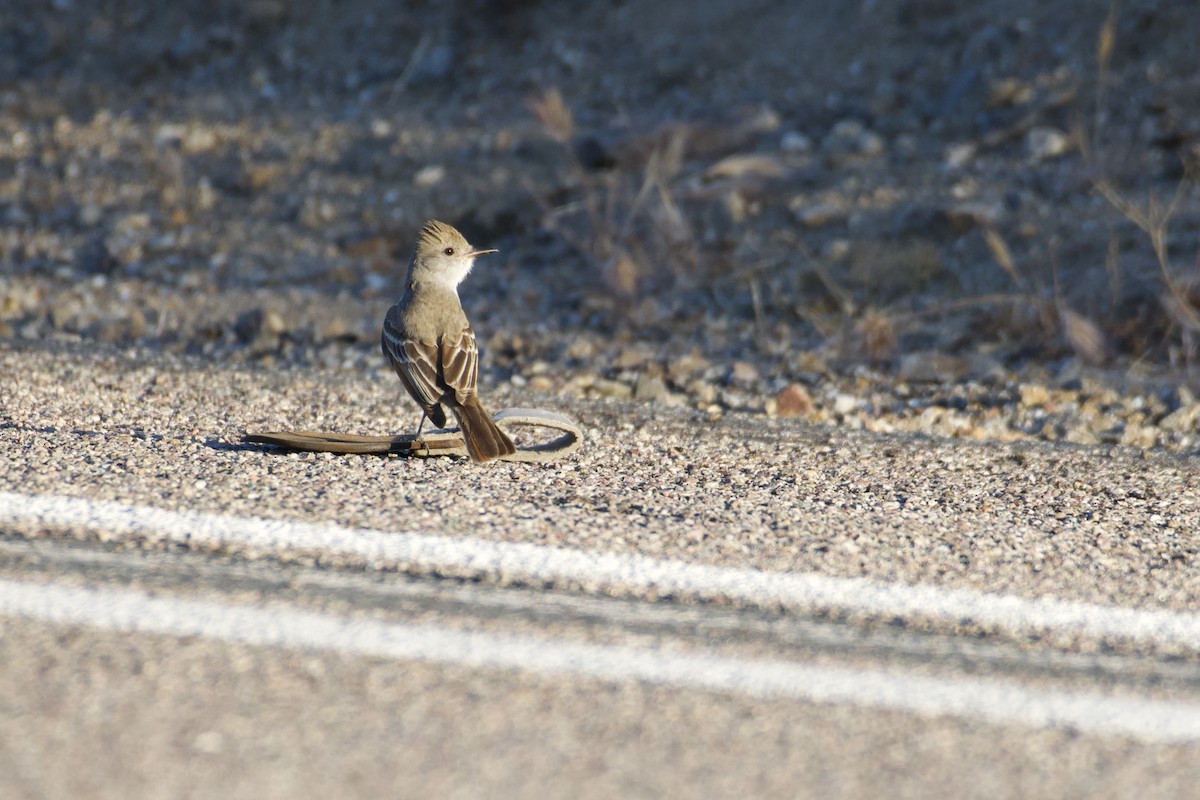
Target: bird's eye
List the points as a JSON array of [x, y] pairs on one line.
[[448, 251]]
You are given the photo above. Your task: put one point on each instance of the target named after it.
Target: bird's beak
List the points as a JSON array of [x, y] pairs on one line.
[[474, 253]]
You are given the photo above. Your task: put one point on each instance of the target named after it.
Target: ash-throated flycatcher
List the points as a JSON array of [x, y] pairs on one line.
[[430, 344]]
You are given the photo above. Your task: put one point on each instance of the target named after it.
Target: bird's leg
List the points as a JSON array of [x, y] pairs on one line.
[[418, 444]]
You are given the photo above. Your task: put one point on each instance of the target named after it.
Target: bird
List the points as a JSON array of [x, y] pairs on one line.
[[430, 343]]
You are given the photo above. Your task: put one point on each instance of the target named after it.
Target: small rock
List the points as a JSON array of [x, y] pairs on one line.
[[94, 258], [429, 176], [581, 350], [817, 216], [30, 330], [169, 134], [90, 214], [1185, 419], [836, 250], [649, 387], [1034, 395], [845, 403], [131, 224], [743, 373], [609, 388], [932, 367], [958, 156], [793, 400], [1044, 143], [985, 369], [109, 331], [846, 130], [794, 142], [199, 140], [682, 369], [704, 392], [1141, 436], [316, 212], [274, 323], [1079, 434], [337, 330], [871, 144], [248, 325], [1008, 92], [850, 140], [631, 357], [746, 169], [979, 214], [257, 177]]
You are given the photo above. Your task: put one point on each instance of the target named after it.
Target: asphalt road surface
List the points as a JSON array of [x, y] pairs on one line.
[[686, 607]]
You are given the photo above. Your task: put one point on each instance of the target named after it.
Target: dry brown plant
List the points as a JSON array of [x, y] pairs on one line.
[[1180, 295], [628, 227]]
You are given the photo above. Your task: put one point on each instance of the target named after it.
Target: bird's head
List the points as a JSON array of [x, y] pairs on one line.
[[442, 255]]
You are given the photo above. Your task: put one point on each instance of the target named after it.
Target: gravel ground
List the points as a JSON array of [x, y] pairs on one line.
[[1104, 524], [874, 216]]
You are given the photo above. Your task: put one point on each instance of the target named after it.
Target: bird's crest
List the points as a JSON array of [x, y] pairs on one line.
[[435, 234]]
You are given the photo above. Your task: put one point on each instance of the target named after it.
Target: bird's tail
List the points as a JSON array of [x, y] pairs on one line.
[[485, 441]]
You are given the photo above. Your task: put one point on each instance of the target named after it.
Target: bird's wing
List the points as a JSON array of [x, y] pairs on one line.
[[460, 364], [416, 363]]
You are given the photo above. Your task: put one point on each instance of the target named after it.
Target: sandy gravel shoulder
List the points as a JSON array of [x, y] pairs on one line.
[[1109, 525]]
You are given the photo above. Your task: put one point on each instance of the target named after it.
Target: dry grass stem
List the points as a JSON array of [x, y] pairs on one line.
[[629, 227], [551, 111]]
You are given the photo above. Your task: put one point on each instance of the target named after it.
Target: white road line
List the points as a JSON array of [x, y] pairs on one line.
[[800, 591], [993, 701]]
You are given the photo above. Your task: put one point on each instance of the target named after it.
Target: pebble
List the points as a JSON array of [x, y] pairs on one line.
[[817, 216], [743, 373], [976, 214], [850, 140], [1034, 395], [199, 139], [836, 250], [248, 325], [934, 367], [793, 400], [429, 176], [1185, 419], [649, 387], [610, 388], [794, 142], [1045, 143], [958, 155], [845, 404]]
